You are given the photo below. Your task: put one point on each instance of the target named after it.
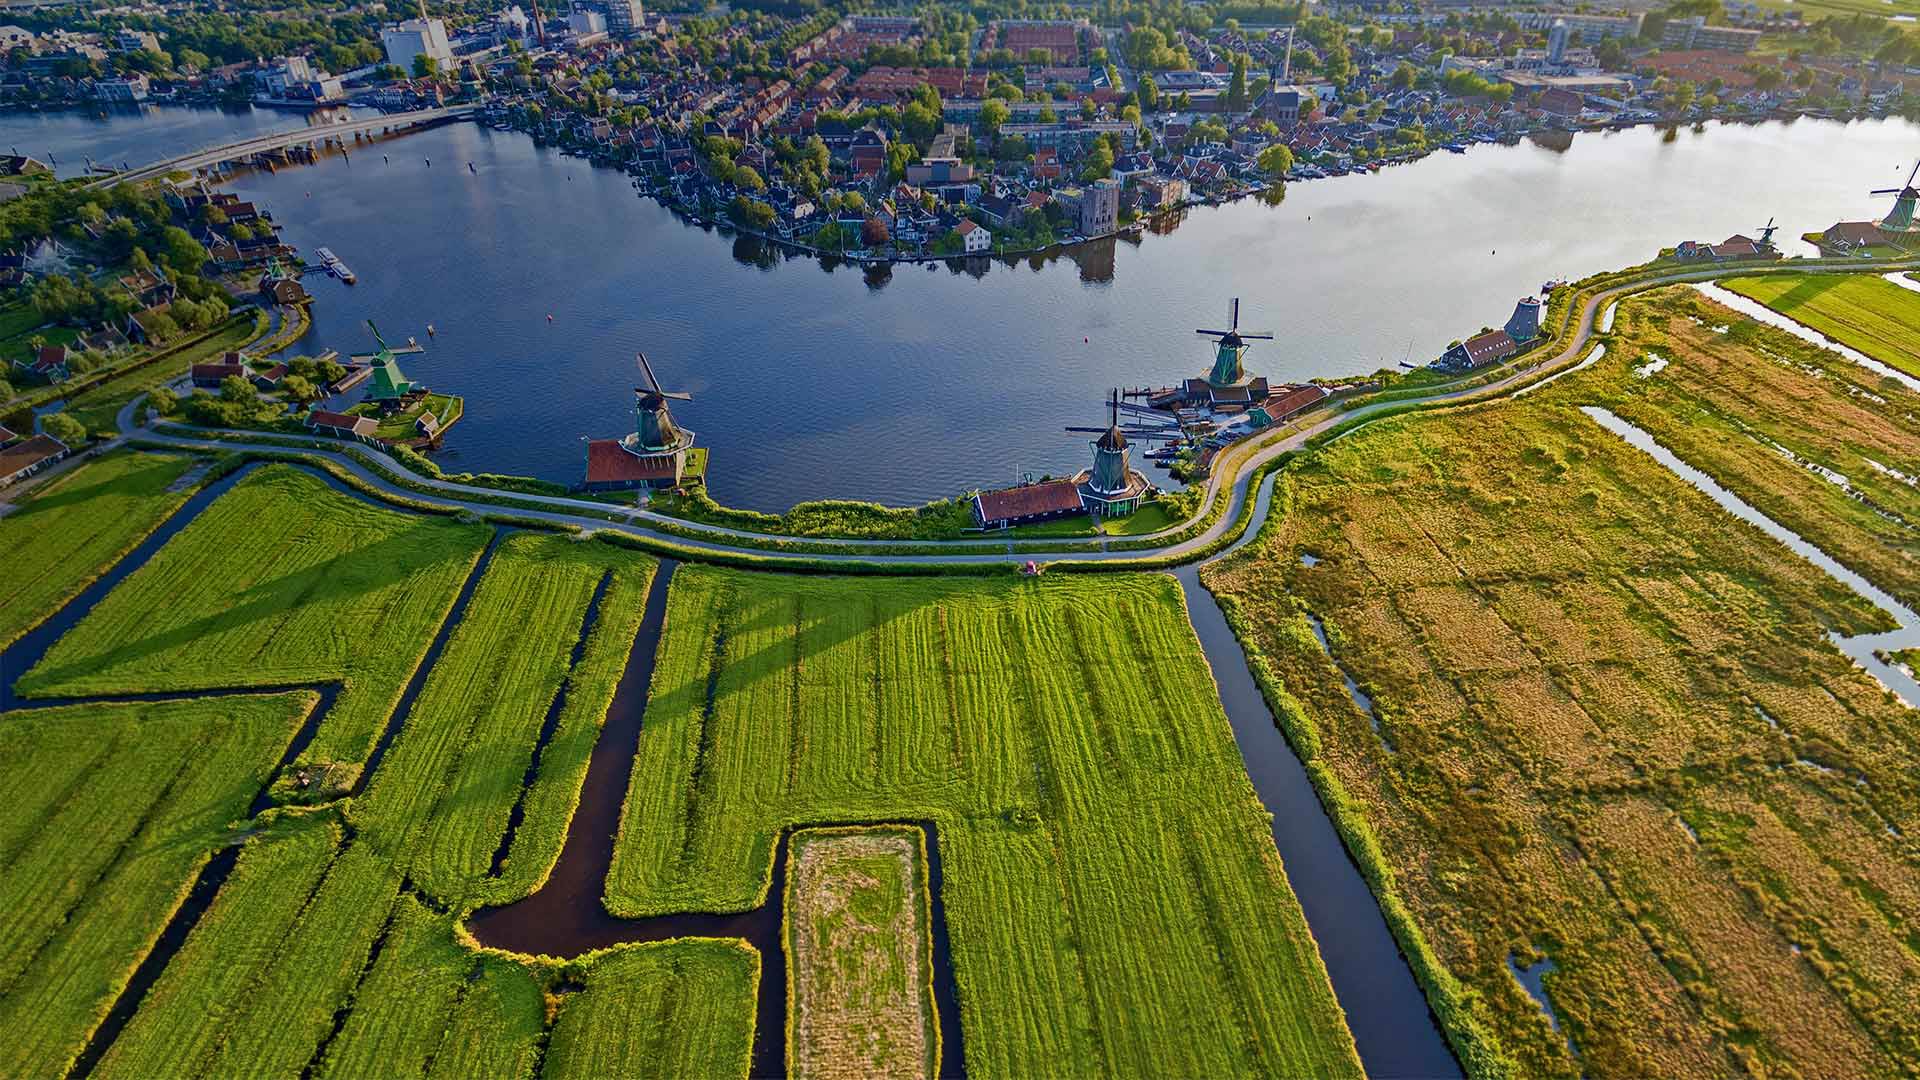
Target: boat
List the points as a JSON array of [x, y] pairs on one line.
[[334, 265]]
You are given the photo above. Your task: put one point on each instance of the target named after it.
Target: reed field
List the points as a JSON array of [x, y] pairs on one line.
[[1865, 311], [282, 581], [63, 536], [1610, 733], [111, 811], [1115, 902], [858, 946], [1816, 442]]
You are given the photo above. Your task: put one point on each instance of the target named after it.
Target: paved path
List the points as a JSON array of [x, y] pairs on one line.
[[721, 540]]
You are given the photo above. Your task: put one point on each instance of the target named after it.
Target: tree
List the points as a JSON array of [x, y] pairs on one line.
[[299, 388], [65, 428], [1275, 160], [873, 233], [993, 114], [1237, 86], [1404, 76], [424, 66], [179, 250], [236, 389], [751, 213], [1099, 162], [746, 179], [164, 401], [1149, 94]]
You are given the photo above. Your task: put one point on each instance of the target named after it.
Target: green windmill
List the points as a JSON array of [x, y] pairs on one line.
[[1900, 220], [1227, 369], [389, 388]]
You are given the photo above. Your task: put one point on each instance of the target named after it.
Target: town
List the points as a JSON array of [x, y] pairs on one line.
[[943, 134]]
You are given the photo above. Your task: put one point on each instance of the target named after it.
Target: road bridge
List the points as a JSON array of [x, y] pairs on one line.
[[240, 150]]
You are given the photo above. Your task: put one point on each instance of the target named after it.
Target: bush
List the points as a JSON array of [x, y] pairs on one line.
[[65, 428]]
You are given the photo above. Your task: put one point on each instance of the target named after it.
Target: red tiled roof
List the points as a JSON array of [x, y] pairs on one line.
[[608, 462], [1029, 500], [25, 455], [1281, 406], [1492, 344], [358, 425]]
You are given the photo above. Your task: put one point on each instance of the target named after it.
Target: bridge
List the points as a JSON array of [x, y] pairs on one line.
[[380, 124]]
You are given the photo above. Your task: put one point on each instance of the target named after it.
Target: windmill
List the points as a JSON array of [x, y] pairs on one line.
[[1111, 476], [1767, 231], [1901, 218], [1233, 344], [656, 432]]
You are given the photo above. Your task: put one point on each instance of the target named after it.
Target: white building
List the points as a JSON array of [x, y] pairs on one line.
[[976, 238], [586, 24], [125, 91], [417, 37]]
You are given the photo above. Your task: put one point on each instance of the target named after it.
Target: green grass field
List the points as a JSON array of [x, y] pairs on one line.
[[444, 791], [1111, 886], [1865, 311], [111, 811], [64, 535], [281, 581]]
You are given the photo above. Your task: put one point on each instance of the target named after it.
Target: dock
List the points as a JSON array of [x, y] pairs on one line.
[[334, 266]]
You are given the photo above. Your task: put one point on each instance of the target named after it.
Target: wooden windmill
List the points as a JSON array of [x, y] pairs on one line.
[[655, 432], [1227, 369], [1901, 218]]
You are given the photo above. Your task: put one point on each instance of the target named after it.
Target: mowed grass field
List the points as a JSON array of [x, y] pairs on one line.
[[1115, 902], [1611, 734], [1865, 311], [333, 949], [1820, 444], [859, 948], [65, 534], [110, 812], [283, 580]]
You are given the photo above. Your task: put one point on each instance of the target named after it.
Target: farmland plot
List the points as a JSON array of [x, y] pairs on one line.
[[111, 811], [1615, 738], [859, 946], [1821, 445], [1865, 311], [63, 536], [1114, 898], [282, 581]]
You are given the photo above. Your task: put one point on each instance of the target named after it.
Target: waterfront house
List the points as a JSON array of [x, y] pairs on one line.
[[343, 426], [1026, 504], [974, 238], [1487, 348], [22, 459]]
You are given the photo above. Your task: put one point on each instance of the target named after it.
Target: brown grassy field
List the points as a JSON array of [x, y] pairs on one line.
[[1818, 443], [859, 983], [1611, 734]]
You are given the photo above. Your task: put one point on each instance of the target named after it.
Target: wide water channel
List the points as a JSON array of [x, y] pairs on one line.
[[917, 383]]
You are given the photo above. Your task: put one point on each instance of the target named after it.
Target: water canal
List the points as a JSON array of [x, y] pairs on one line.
[[921, 383]]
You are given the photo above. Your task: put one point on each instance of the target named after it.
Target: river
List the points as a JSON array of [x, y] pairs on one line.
[[919, 383]]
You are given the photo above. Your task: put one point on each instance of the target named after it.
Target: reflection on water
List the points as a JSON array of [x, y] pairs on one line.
[[1864, 649], [903, 384]]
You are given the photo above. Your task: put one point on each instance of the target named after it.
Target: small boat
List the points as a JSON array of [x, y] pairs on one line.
[[429, 329], [472, 170]]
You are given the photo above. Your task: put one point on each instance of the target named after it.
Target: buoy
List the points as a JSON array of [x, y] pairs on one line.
[[429, 329], [471, 169], [549, 318], [429, 163], [383, 157]]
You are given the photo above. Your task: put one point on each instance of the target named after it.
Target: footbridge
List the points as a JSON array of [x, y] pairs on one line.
[[319, 134]]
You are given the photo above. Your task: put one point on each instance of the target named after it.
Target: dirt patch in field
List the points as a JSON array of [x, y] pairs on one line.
[[860, 998]]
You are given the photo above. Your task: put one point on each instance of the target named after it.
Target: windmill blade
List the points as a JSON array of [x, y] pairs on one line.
[[1233, 313], [1887, 191], [1914, 173], [675, 395], [648, 369], [1089, 430], [1247, 336], [1214, 333]]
